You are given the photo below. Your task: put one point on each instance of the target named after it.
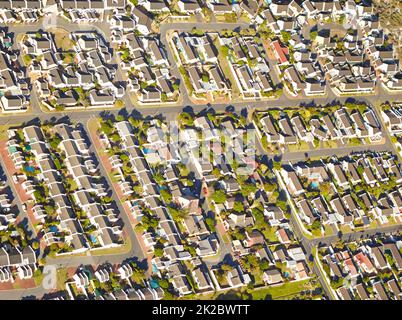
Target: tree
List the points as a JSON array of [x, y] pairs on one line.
[[138, 273], [248, 189], [211, 224], [277, 165], [286, 36], [316, 225], [281, 204], [54, 142], [186, 119], [238, 206], [106, 127], [226, 267], [205, 77], [325, 188], [158, 252], [166, 195], [35, 245], [149, 222], [164, 284], [177, 214], [120, 118], [224, 51], [264, 265], [313, 35], [39, 195], [219, 196]]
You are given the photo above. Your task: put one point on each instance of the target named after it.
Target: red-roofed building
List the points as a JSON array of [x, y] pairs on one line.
[[283, 236], [281, 52], [364, 263], [349, 266]]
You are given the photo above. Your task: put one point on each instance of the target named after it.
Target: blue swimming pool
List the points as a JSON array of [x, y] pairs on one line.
[[154, 284], [29, 169], [154, 269], [315, 184], [146, 150], [93, 238]]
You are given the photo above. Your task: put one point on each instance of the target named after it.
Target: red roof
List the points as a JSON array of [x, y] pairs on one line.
[[280, 51]]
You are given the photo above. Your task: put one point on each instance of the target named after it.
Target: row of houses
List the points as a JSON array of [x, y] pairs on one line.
[[236, 211], [150, 205], [343, 124], [345, 204], [199, 56], [86, 283], [81, 221], [392, 118], [364, 267], [21, 11], [61, 77], [352, 63], [147, 66], [14, 260], [13, 79], [248, 65]]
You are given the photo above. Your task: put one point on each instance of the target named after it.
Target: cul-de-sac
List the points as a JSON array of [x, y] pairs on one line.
[[200, 149]]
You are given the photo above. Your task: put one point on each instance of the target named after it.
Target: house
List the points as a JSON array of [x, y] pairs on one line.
[[125, 271], [270, 129], [364, 263], [287, 135], [143, 20], [283, 237], [12, 103], [362, 292], [344, 293], [281, 52], [202, 280], [300, 128], [393, 119], [272, 277], [81, 280], [394, 288], [292, 182], [189, 6], [253, 238], [380, 292], [234, 278]]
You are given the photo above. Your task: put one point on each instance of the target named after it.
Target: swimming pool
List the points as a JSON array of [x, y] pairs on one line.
[[147, 150], [93, 238], [315, 184], [154, 284], [29, 169]]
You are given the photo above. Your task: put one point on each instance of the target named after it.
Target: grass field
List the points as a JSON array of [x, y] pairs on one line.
[[286, 290], [301, 146]]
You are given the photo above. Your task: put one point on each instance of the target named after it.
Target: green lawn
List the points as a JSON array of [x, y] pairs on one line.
[[62, 278], [126, 247], [329, 144], [280, 292], [354, 142], [269, 234], [301, 146], [345, 229], [328, 230]]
